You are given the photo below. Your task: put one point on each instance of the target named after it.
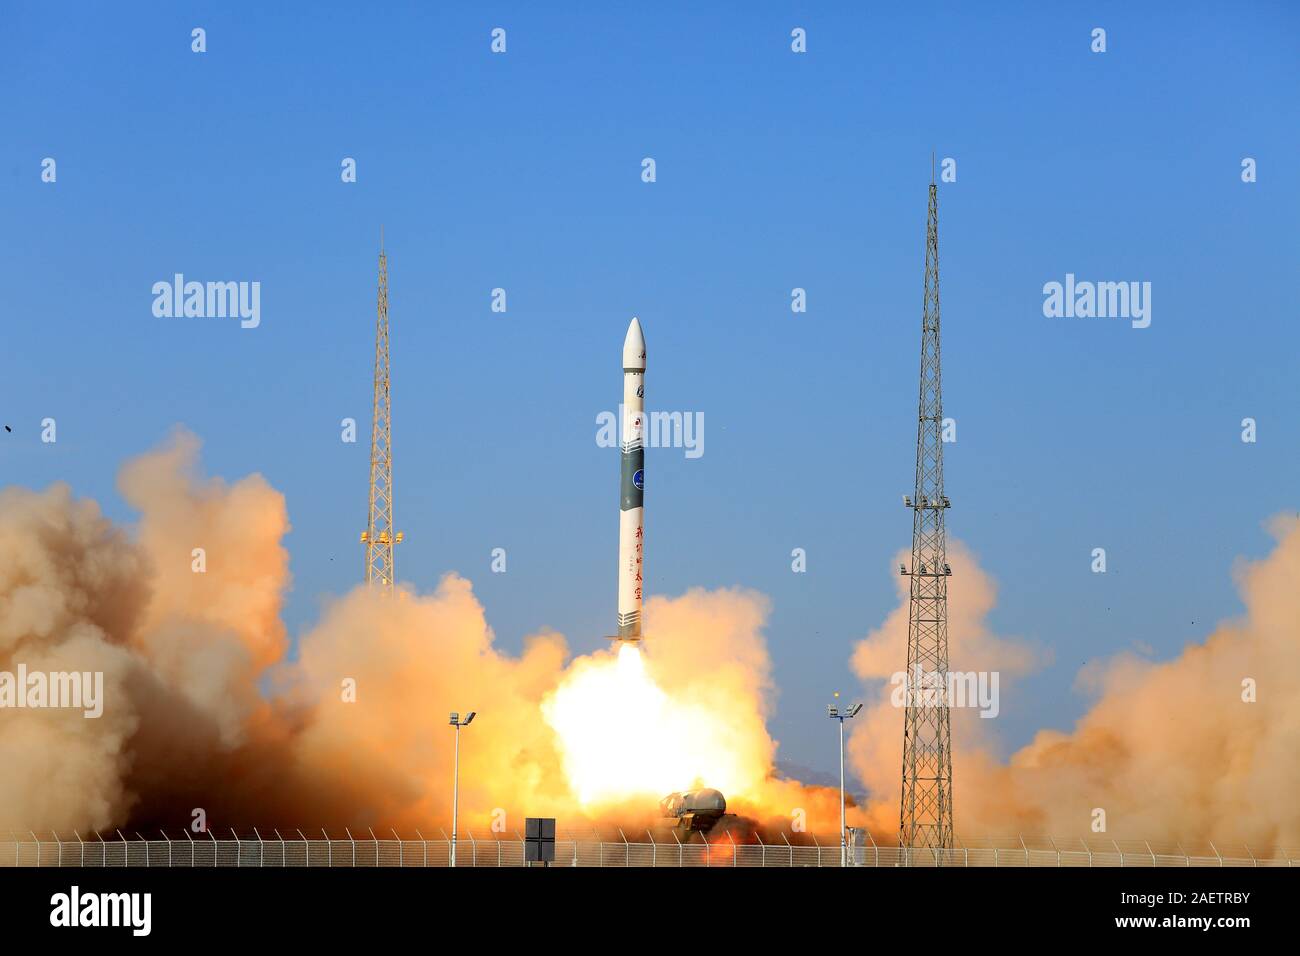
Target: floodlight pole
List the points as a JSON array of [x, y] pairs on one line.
[[843, 854], [458, 723], [455, 793], [834, 713]]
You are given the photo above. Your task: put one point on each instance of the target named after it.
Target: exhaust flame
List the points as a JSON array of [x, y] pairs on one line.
[[621, 736]]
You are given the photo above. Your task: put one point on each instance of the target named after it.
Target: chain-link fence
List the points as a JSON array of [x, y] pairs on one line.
[[299, 850]]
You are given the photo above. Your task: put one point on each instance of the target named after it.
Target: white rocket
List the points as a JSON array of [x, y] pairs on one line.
[[631, 513]]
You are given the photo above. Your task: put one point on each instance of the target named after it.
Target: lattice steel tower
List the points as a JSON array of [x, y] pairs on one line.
[[925, 816], [379, 536]]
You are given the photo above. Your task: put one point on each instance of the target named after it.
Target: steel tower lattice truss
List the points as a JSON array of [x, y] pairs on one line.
[[379, 536], [925, 816]]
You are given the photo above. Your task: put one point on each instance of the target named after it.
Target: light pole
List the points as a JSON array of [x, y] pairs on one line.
[[455, 776], [834, 713]]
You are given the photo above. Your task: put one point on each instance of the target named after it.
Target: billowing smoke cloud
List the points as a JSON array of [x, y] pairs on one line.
[[387, 757], [179, 650], [70, 585], [204, 715], [1181, 750]]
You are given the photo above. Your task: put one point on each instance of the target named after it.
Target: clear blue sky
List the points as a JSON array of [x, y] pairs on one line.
[[775, 170]]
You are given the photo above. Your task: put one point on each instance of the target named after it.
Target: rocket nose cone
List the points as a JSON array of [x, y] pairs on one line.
[[634, 346]]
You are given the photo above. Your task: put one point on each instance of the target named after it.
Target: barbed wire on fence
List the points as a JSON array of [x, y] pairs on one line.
[[298, 849]]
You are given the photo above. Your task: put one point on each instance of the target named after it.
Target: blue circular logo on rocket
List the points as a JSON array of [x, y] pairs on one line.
[[639, 480]]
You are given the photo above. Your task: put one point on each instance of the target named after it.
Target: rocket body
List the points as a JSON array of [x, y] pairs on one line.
[[631, 511]]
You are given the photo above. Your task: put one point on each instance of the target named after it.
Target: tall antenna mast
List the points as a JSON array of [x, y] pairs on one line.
[[925, 815], [379, 536]]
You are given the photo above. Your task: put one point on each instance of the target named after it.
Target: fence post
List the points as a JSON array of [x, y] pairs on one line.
[[284, 853], [60, 845], [819, 849], [425, 845], [354, 846], [83, 847], [261, 849], [733, 849], [1119, 851], [763, 858], [401, 853], [1151, 851], [1187, 860], [679, 847], [375, 840], [708, 851], [329, 848], [38, 849], [523, 849], [126, 850], [1216, 852], [1252, 856], [876, 850], [789, 847], [473, 847], [654, 850], [627, 851], [170, 864], [306, 849], [214, 849]]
